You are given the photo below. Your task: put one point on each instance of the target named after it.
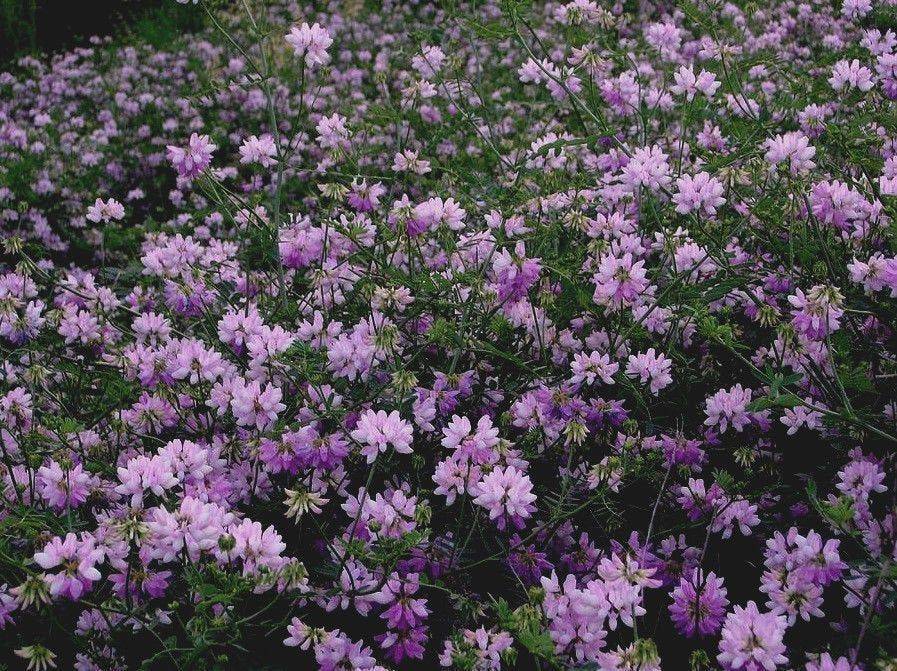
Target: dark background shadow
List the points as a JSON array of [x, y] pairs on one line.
[[45, 26]]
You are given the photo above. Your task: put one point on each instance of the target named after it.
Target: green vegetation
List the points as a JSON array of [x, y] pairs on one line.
[[42, 26]]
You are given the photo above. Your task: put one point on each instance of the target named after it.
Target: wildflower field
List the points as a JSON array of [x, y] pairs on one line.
[[481, 335]]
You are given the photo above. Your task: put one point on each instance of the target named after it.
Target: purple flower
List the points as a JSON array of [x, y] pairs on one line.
[[699, 604], [826, 662], [649, 168], [67, 488], [336, 652], [848, 75], [77, 559], [589, 367], [256, 406], [728, 408], [404, 610], [192, 161], [752, 641], [403, 643], [619, 280], [8, 604], [105, 211], [527, 562], [817, 313]]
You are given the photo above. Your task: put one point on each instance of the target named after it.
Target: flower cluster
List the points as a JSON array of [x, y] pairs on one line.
[[480, 336]]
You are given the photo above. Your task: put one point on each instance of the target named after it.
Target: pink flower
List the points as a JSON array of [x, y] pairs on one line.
[[105, 211], [652, 368], [476, 445], [699, 604], [887, 183], [629, 658], [515, 274], [194, 527], [429, 61], [335, 651], [619, 280], [649, 168], [735, 513], [332, 132], [389, 514], [193, 160], [508, 496], [261, 150], [310, 42], [799, 416], [817, 313], [8, 603], [873, 273], [255, 405], [793, 148], [589, 367], [79, 326], [436, 211], [688, 84], [144, 474], [486, 646], [727, 408], [455, 475], [409, 161], [64, 488], [78, 559], [828, 663], [701, 193], [848, 75], [377, 431], [195, 361], [861, 477], [666, 37], [258, 548], [752, 641], [300, 634], [16, 410]]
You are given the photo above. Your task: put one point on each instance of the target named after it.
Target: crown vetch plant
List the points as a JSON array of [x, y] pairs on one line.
[[491, 335]]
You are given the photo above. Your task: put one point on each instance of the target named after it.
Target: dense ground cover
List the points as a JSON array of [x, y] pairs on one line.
[[484, 335]]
